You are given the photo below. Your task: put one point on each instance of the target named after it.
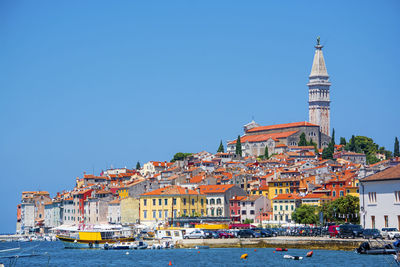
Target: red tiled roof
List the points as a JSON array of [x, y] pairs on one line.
[[210, 189], [263, 137], [171, 190], [280, 126], [286, 196], [392, 173]]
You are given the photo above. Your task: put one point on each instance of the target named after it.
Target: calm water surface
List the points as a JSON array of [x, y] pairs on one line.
[[58, 256]]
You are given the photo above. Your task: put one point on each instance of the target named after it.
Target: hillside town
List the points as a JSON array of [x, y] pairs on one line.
[[261, 178]]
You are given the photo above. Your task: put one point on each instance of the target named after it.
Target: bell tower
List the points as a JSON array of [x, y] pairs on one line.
[[318, 92]]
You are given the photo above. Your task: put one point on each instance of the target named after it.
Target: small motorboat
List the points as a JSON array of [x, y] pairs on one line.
[[139, 245], [201, 247], [365, 248], [292, 257], [119, 245]]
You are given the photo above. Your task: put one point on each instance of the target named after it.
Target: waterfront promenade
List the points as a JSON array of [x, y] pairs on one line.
[[280, 241]]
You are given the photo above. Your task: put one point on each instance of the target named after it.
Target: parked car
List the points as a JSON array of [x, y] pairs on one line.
[[195, 234], [211, 234], [390, 233], [371, 233], [248, 233], [333, 230], [264, 232], [223, 234], [350, 230]]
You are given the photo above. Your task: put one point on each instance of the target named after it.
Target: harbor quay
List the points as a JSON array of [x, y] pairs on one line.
[[278, 242]]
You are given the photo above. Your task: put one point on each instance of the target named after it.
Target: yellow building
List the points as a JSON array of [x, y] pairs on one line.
[[282, 186], [352, 188], [315, 199], [129, 210], [122, 192], [283, 206], [172, 201], [261, 191]]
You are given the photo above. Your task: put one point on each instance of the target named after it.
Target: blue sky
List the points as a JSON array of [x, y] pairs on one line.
[[89, 84]]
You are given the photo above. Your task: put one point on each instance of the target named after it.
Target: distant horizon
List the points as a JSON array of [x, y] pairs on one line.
[[95, 84]]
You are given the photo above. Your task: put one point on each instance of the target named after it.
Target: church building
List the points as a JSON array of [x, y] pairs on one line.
[[279, 137]]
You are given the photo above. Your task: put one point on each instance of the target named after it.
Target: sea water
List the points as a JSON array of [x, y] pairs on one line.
[[54, 254]]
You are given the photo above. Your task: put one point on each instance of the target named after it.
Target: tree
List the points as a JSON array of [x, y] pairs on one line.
[[303, 140], [221, 148], [238, 147], [305, 214], [333, 137], [266, 153], [396, 152], [138, 165], [248, 221], [180, 156], [345, 209], [352, 144], [343, 141]]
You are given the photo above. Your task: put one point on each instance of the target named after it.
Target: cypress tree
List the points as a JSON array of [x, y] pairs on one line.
[[333, 137], [352, 146], [238, 147], [303, 140], [221, 148], [266, 156], [138, 165], [396, 152]]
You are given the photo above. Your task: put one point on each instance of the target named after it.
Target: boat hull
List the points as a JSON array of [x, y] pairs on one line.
[[90, 244]]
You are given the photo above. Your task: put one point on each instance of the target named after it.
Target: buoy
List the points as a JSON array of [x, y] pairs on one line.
[[244, 256], [170, 263], [274, 251], [198, 251], [127, 253], [255, 250], [310, 253], [281, 249]]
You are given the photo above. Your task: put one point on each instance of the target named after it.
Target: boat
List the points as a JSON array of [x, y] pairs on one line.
[[292, 257], [365, 248], [92, 237], [139, 245], [119, 245], [201, 247]]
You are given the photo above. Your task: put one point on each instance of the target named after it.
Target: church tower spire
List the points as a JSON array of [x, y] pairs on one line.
[[318, 92]]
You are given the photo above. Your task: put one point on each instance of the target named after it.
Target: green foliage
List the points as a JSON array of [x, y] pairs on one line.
[[303, 140], [347, 206], [327, 153], [305, 214], [396, 152], [266, 153], [366, 145], [342, 141], [221, 148], [238, 146], [180, 156], [138, 165], [333, 137], [248, 221]]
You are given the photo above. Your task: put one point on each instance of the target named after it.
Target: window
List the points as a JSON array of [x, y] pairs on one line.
[[184, 211], [154, 202], [280, 191], [243, 203], [276, 191], [252, 212], [372, 197], [159, 202], [252, 204], [192, 201], [243, 212], [232, 212], [174, 201], [386, 221], [287, 191], [287, 207], [219, 201], [275, 207], [202, 202], [212, 201], [175, 213], [165, 214], [334, 193], [160, 214], [276, 217], [348, 191], [281, 207], [333, 185], [154, 214], [231, 204], [341, 193], [166, 201], [292, 207], [397, 196], [145, 214]]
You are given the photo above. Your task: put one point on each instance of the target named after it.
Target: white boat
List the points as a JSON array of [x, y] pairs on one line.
[[92, 237]]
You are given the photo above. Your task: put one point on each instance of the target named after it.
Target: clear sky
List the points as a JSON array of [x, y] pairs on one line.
[[89, 84]]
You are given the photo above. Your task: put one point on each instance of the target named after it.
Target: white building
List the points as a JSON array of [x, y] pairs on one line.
[[114, 211], [52, 214], [27, 216], [68, 215], [380, 199]]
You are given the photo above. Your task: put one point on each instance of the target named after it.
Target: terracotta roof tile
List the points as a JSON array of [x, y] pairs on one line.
[[392, 173], [280, 126]]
